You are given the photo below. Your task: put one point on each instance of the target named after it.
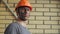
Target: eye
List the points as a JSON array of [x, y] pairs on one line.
[[27, 9]]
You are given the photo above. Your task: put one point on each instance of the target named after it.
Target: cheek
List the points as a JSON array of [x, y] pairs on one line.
[[27, 13]]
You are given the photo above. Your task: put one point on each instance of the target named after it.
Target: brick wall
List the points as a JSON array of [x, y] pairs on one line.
[[44, 18]]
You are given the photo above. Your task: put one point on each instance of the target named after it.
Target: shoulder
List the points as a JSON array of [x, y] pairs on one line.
[[14, 24], [11, 28]]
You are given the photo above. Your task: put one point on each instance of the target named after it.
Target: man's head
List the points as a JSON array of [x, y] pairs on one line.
[[23, 9], [23, 13]]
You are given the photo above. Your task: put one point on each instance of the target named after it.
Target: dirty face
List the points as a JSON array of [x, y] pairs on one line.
[[23, 13]]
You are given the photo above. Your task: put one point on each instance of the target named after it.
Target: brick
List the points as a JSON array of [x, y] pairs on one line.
[[27, 22], [55, 26], [43, 26], [51, 31], [12, 9], [2, 8], [59, 22], [2, 17], [6, 25], [10, 17], [2, 5], [50, 22], [54, 9], [32, 18], [31, 1], [1, 33], [11, 5], [42, 9], [14, 20], [5, 13], [13, 1], [36, 13], [30, 26], [37, 5], [2, 30], [59, 14], [42, 1], [55, 18], [33, 9], [15, 5], [58, 6], [42, 18], [50, 14], [16, 1], [5, 0], [5, 21], [35, 22], [50, 5], [36, 31], [2, 25], [55, 1]]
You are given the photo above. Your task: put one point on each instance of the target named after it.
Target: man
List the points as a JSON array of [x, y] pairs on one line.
[[23, 10]]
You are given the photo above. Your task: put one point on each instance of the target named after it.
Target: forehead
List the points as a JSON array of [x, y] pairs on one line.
[[23, 9]]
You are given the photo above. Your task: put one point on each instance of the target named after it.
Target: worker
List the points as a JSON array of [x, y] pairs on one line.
[[23, 10]]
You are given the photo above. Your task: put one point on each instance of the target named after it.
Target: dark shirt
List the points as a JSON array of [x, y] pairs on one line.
[[15, 28]]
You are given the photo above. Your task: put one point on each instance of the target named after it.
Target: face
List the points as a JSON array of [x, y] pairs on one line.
[[23, 13]]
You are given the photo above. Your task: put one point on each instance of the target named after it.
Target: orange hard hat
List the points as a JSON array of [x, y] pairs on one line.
[[24, 3]]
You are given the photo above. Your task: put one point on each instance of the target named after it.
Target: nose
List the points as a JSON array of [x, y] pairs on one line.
[[27, 13]]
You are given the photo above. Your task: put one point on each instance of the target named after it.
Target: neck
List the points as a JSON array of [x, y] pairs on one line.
[[23, 23]]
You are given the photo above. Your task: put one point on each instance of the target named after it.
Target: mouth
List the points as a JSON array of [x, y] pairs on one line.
[[26, 15]]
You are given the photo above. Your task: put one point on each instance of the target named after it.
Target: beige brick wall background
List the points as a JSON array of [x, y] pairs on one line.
[[44, 18]]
